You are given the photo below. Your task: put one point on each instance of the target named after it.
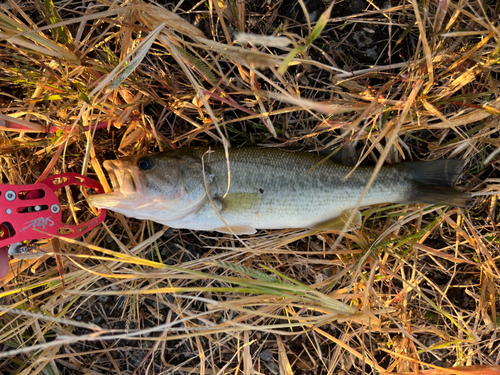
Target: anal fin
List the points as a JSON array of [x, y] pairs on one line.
[[339, 222], [237, 229]]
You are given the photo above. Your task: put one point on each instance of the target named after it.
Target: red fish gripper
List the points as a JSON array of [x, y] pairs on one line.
[[29, 212]]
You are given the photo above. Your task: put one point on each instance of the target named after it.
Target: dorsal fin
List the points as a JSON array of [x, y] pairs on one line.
[[346, 155]]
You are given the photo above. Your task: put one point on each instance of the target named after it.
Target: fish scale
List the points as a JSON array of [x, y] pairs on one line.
[[295, 194]]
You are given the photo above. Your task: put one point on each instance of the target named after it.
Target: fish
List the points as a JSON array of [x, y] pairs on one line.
[[267, 188]]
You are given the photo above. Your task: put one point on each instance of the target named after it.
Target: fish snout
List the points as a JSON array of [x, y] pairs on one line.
[[125, 185]]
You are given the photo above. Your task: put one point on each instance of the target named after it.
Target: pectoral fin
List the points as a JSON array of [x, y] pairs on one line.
[[237, 229], [339, 222], [240, 201]]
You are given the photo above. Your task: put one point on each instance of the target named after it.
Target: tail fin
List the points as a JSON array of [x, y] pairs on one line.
[[434, 181], [438, 172], [433, 194]]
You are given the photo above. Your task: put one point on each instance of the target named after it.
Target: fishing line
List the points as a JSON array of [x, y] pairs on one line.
[[213, 204]]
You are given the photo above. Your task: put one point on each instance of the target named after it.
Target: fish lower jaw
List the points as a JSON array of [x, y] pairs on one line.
[[109, 200]]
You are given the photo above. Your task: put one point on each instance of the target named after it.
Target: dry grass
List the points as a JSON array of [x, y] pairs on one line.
[[413, 290]]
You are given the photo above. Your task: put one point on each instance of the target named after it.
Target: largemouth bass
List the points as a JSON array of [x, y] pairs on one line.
[[269, 188]]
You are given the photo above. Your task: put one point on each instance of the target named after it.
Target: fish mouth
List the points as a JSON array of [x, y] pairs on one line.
[[125, 182], [122, 178]]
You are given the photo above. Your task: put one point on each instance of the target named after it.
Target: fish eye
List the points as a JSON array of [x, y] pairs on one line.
[[145, 163]]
